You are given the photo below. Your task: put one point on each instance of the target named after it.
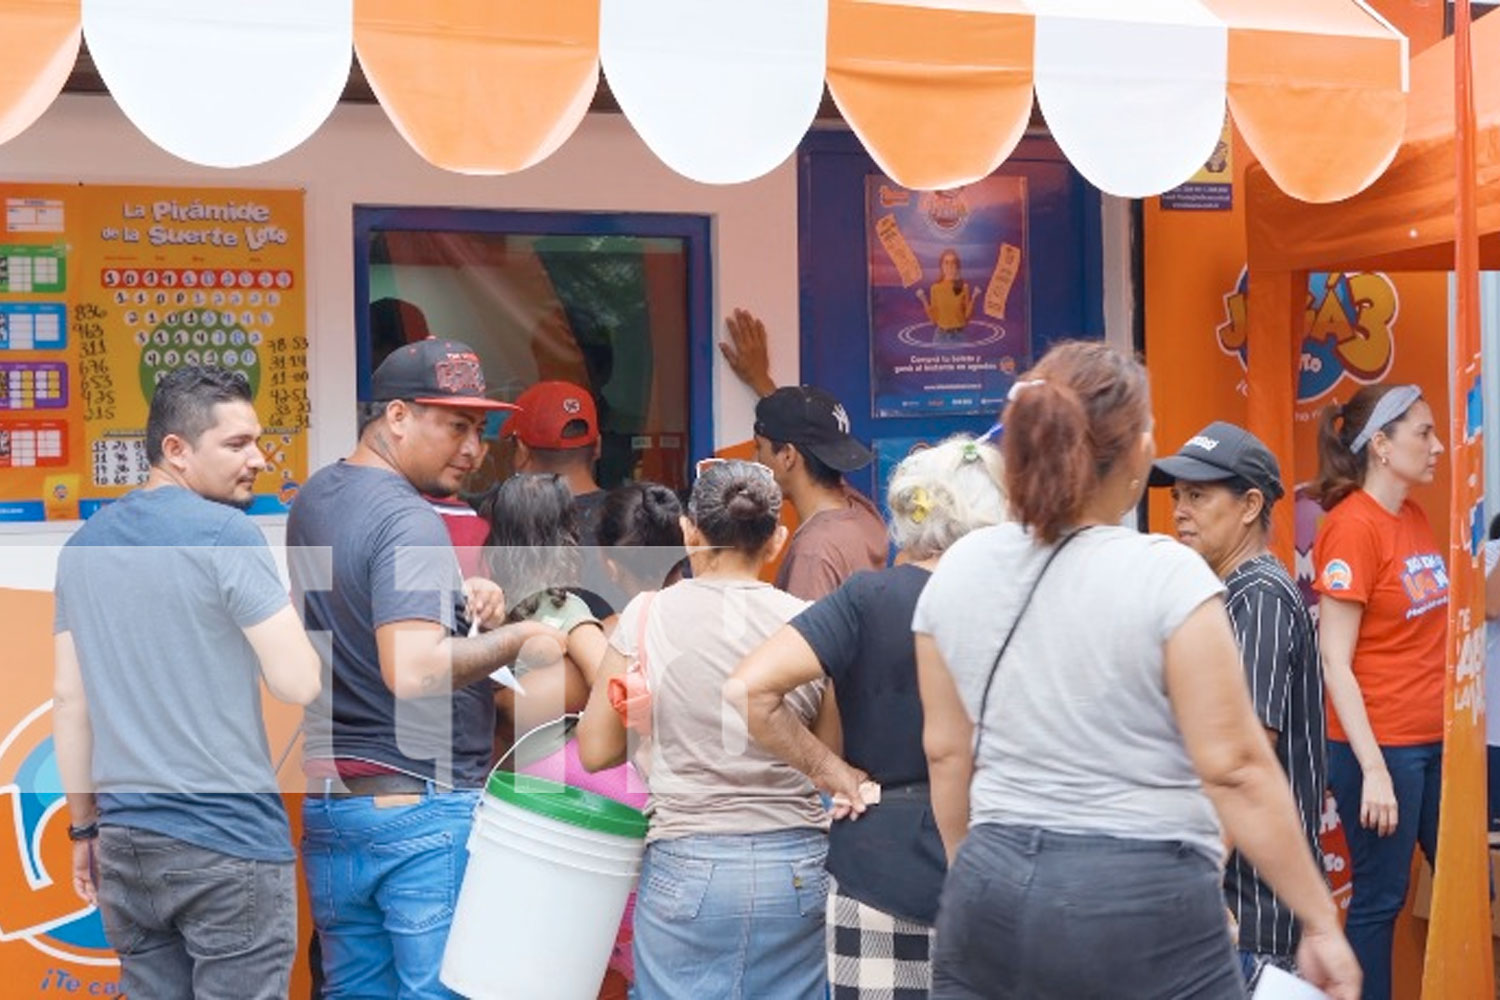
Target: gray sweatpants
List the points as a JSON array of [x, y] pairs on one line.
[[191, 923], [1029, 913]]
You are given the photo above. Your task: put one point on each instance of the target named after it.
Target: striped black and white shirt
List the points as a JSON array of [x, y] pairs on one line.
[[1280, 650]]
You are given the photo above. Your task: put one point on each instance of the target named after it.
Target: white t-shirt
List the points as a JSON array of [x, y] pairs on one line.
[[704, 773], [1079, 736]]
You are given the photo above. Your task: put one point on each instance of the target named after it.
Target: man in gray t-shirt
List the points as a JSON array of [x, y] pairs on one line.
[[398, 748], [169, 613]]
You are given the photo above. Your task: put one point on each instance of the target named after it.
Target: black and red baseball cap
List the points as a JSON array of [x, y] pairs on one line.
[[555, 416], [435, 373]]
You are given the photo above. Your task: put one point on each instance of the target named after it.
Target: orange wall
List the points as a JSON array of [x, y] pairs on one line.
[[35, 961]]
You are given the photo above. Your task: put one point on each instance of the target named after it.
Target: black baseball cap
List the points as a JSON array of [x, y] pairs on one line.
[[813, 420], [1221, 451], [434, 372]]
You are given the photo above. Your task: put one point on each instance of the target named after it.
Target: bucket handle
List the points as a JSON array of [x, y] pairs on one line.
[[528, 735]]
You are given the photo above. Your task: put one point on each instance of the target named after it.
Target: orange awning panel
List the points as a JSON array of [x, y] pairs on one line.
[[481, 88], [37, 51], [939, 91], [939, 95], [1318, 90]]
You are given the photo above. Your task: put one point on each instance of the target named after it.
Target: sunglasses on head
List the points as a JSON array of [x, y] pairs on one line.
[[704, 464]]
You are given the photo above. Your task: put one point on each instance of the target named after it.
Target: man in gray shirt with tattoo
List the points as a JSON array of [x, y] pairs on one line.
[[398, 746]]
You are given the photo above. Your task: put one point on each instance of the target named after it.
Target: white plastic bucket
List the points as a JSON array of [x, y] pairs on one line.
[[520, 822], [550, 869], [556, 851]]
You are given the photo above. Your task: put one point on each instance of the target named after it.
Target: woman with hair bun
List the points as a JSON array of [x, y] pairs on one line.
[[1085, 715], [640, 531], [732, 888], [888, 868], [1383, 633]]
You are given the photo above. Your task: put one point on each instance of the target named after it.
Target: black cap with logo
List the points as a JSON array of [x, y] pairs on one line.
[[1221, 451], [436, 373], [813, 420]]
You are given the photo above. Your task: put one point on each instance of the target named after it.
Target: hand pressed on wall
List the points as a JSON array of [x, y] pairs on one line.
[[746, 351]]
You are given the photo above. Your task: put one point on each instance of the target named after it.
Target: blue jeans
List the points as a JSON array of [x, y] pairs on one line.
[[1381, 866], [1033, 914], [732, 917], [383, 883]]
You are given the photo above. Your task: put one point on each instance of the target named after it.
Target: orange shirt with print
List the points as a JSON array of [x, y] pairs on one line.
[[1391, 564]]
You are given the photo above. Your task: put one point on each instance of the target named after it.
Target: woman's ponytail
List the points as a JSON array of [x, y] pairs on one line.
[[1070, 420], [1049, 463]]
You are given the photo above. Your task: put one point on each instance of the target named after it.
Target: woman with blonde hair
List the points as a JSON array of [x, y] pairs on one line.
[[887, 868], [1085, 715], [1383, 632]]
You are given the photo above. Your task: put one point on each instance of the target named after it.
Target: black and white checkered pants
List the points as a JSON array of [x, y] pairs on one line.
[[873, 955]]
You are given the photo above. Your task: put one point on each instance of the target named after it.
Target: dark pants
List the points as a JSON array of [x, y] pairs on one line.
[[1028, 913], [190, 923], [1381, 866], [1493, 767]]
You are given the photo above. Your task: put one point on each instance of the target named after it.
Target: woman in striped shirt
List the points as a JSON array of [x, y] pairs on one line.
[[1224, 482]]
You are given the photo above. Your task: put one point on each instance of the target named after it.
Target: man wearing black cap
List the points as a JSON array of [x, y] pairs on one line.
[[397, 747], [802, 434], [1224, 481]]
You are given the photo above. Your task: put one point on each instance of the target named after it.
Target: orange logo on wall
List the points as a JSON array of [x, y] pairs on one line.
[[1349, 332], [41, 908]]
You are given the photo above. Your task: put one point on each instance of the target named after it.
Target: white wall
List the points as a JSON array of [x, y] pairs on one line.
[[357, 158]]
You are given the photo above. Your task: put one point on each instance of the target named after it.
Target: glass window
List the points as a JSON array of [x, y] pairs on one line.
[[613, 303]]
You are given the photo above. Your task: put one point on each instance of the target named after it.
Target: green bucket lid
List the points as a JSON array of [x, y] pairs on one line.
[[567, 804]]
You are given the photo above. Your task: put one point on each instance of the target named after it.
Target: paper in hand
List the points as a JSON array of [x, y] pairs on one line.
[[869, 794], [506, 678], [1277, 984]]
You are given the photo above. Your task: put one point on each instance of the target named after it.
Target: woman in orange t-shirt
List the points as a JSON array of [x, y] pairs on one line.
[[1383, 625]]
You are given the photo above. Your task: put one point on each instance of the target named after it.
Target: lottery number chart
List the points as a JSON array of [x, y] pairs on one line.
[[26, 444], [104, 290], [28, 268], [29, 326], [33, 386]]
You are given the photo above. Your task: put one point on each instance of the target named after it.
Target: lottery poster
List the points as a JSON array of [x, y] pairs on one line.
[[104, 289], [950, 304]]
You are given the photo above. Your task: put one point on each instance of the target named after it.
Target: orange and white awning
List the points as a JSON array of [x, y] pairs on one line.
[[939, 91]]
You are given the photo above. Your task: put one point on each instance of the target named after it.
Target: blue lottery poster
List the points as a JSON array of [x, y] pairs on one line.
[[950, 303]]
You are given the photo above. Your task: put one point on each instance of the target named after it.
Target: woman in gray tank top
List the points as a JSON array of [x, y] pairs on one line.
[[1086, 717]]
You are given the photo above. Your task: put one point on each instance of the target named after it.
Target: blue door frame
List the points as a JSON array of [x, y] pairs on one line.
[[1067, 274]]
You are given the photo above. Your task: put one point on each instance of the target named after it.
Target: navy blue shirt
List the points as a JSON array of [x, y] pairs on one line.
[[365, 549]]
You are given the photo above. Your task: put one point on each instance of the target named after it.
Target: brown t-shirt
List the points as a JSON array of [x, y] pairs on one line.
[[833, 545], [705, 775]]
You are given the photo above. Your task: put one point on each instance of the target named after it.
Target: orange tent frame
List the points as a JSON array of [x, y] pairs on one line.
[[1402, 222], [1437, 208]]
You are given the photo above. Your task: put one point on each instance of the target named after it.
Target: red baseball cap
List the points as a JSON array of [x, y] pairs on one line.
[[546, 411], [436, 373]]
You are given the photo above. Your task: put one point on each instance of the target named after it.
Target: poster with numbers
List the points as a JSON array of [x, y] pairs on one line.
[[104, 289]]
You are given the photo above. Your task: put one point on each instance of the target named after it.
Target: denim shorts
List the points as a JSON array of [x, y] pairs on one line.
[[1034, 914], [733, 917]]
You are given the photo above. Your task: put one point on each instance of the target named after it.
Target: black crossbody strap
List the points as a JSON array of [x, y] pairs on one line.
[[984, 699]]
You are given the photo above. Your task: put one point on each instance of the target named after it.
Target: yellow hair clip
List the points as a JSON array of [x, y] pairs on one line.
[[921, 505]]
